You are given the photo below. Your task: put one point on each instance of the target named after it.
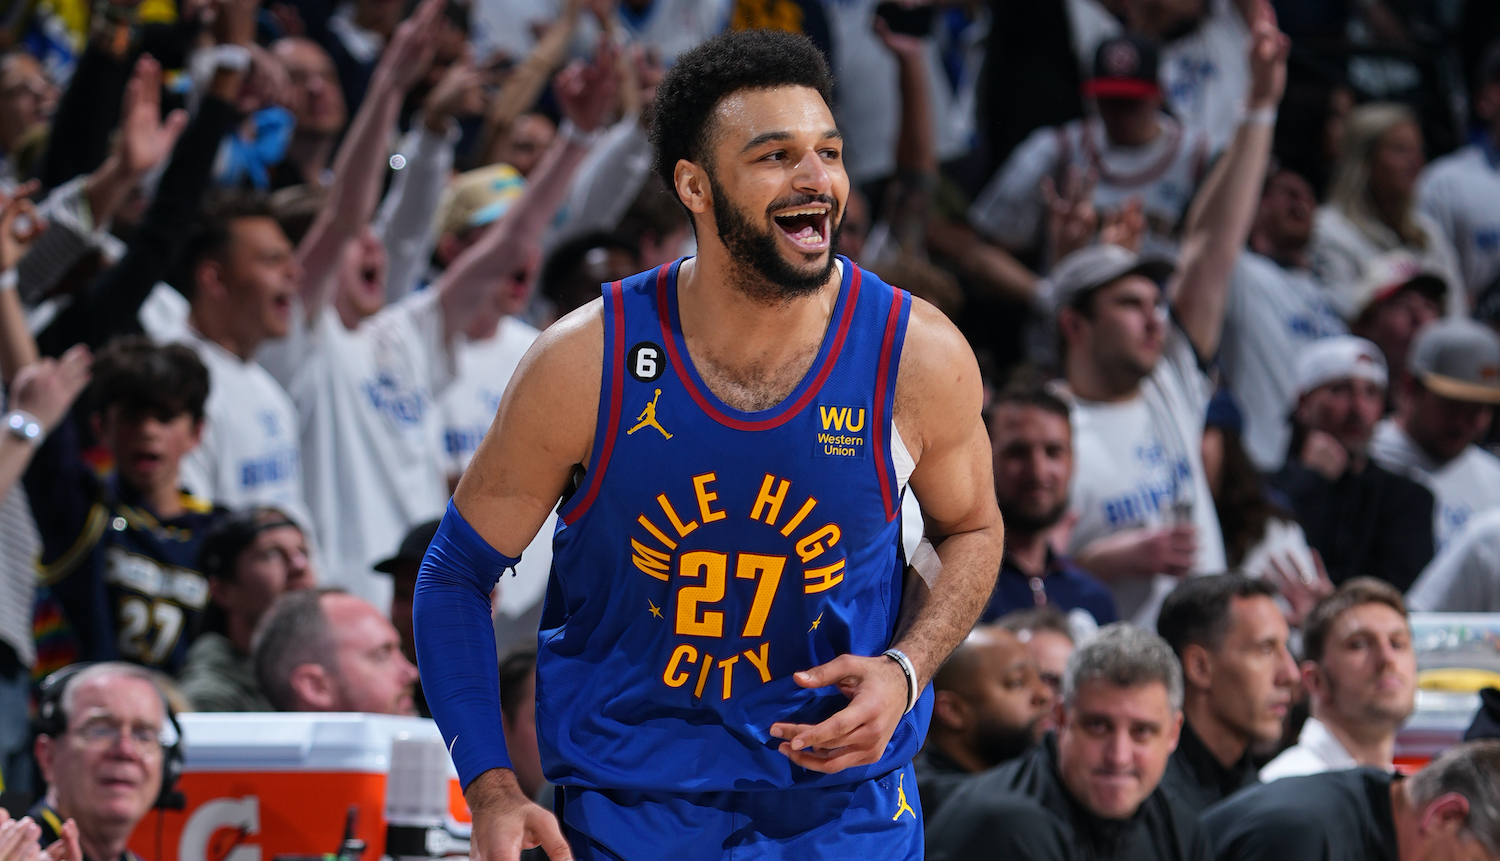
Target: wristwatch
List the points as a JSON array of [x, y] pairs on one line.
[[24, 425]]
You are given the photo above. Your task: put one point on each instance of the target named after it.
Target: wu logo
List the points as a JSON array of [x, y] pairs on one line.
[[842, 418]]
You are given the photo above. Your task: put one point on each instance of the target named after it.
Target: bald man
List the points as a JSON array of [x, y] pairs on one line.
[[990, 705]]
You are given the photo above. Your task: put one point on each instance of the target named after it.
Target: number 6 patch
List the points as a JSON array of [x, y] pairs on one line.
[[645, 362]]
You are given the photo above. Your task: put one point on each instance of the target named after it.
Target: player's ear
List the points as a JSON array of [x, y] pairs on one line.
[[692, 185]]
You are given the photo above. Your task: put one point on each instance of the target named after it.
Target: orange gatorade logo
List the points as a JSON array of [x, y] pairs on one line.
[[843, 433]]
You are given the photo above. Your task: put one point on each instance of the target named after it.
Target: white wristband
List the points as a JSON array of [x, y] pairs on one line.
[[572, 134], [1258, 117], [8, 280], [902, 661]]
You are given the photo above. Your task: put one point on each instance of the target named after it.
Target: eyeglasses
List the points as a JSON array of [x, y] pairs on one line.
[[100, 735]]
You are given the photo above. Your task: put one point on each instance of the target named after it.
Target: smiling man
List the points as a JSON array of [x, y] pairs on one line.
[[241, 278], [102, 759], [731, 661], [1238, 678], [1093, 790]]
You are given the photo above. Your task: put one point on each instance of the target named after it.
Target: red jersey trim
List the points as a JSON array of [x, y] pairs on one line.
[[884, 469], [710, 404], [616, 359]]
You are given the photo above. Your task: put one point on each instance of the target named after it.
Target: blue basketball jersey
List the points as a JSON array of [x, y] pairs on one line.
[[710, 553]]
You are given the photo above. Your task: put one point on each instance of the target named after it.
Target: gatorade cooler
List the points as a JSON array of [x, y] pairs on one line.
[[263, 786]]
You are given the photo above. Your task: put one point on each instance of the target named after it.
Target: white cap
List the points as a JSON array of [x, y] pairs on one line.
[[1341, 357], [1389, 274]]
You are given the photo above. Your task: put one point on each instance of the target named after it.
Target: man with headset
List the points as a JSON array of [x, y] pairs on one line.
[[108, 751]]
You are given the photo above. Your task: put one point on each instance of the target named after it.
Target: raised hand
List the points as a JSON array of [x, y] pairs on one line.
[[906, 48], [409, 55], [459, 93], [18, 839], [145, 138], [19, 225], [858, 733], [66, 847], [1301, 586], [47, 388], [1071, 216], [234, 23], [1269, 48], [1126, 226], [586, 93]]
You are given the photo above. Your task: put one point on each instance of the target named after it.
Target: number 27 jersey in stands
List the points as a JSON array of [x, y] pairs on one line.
[[710, 553]]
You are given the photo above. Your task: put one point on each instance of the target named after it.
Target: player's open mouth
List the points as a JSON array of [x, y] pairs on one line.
[[807, 227]]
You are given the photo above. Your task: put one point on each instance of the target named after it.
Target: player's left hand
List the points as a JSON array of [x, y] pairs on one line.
[[858, 733]]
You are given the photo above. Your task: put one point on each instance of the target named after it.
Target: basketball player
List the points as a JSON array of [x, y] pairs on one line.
[[730, 663]]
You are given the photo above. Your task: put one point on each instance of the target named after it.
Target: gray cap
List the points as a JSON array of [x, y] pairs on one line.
[[1088, 269], [1457, 359]]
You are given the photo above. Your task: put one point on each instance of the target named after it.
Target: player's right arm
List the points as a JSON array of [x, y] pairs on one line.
[[541, 437]]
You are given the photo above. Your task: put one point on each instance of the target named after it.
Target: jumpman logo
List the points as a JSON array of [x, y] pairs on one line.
[[647, 419], [901, 797]]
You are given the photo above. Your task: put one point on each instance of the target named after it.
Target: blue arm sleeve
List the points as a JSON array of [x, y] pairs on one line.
[[456, 644]]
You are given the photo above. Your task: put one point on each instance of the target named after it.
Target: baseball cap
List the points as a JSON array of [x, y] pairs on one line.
[[479, 197], [1392, 272], [413, 547], [231, 536], [1088, 269], [1341, 357], [1457, 359], [1124, 68]]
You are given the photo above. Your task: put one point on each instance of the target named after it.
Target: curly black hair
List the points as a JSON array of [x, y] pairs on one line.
[[702, 78]]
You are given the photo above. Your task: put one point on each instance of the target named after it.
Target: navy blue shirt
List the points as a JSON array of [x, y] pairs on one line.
[[1062, 585], [127, 580]]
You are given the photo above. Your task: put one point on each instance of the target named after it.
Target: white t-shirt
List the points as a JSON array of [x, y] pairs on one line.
[[250, 453], [1465, 576], [469, 404], [867, 103], [1315, 752], [1206, 73], [1461, 192], [371, 466], [1272, 314], [1340, 252], [1464, 486], [1137, 461], [1163, 173]]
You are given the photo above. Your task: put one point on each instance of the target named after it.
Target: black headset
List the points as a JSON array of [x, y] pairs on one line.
[[52, 721]]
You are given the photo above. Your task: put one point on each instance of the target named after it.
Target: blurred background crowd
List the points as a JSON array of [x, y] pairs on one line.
[[1231, 269]]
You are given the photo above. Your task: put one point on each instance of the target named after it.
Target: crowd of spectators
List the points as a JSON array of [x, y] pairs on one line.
[[266, 267]]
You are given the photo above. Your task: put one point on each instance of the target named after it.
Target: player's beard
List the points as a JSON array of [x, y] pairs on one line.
[[772, 279]]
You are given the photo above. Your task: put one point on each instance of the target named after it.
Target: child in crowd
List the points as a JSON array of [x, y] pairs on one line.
[[120, 546]]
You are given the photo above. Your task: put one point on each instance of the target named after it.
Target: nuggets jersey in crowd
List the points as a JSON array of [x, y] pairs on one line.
[[711, 553]]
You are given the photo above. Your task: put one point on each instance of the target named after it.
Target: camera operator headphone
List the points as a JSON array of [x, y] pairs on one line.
[[52, 721]]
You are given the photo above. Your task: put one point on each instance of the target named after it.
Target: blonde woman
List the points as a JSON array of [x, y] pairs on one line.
[[1372, 206]]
